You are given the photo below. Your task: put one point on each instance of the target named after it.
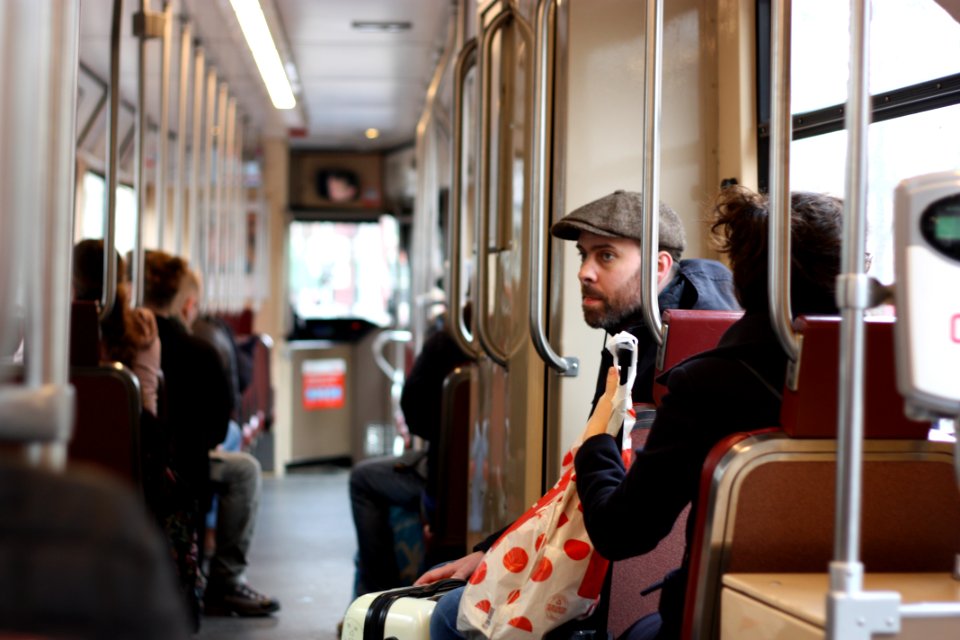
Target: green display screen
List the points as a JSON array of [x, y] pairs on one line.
[[946, 226]]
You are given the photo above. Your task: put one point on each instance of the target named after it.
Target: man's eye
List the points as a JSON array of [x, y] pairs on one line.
[[607, 256]]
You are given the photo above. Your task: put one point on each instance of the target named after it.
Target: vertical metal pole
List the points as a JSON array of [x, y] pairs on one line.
[[653, 75], [178, 182], [778, 218], [163, 157], [239, 220], [216, 276], [196, 160], [139, 179], [207, 213], [109, 294]]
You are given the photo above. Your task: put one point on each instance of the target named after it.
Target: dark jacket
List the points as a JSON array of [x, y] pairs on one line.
[[198, 401], [422, 394], [732, 388]]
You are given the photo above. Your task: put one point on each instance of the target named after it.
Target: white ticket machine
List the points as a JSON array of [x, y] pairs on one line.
[[927, 211]]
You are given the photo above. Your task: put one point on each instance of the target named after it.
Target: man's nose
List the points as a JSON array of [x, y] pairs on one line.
[[587, 271]]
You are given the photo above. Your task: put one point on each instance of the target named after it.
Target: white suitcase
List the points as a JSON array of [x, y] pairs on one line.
[[403, 613]]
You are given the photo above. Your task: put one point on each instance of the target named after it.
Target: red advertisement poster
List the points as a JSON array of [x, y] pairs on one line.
[[324, 383]]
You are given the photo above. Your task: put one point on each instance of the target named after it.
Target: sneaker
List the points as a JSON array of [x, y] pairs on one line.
[[239, 599]]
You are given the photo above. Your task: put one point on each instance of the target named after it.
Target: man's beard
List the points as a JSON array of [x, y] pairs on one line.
[[615, 311]]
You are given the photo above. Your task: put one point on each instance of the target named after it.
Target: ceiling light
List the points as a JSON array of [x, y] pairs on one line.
[[372, 134], [382, 26], [264, 50]]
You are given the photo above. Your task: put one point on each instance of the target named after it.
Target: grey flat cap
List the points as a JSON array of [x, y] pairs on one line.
[[618, 215]]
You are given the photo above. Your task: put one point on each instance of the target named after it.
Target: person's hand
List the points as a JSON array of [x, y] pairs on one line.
[[597, 423], [460, 569]]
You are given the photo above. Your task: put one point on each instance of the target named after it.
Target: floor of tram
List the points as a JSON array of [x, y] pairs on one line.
[[302, 554]]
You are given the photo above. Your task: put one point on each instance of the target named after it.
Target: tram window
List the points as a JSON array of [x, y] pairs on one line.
[[818, 163], [343, 269], [912, 41], [91, 216]]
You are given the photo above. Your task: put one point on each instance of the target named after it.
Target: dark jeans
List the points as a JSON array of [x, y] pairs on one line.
[[376, 485]]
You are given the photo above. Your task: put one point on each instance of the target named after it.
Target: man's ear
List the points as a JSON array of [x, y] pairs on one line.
[[664, 269]]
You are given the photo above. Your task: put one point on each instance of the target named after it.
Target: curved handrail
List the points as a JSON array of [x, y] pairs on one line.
[[778, 219], [543, 80], [391, 335], [653, 79], [109, 291], [483, 186], [456, 327]]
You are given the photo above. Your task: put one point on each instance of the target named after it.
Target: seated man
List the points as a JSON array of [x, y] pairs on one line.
[[200, 402], [377, 484], [608, 232]]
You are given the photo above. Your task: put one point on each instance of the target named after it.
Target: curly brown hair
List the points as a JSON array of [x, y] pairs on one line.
[[163, 276], [816, 220]]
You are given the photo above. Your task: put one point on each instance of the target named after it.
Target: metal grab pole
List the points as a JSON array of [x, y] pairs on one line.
[[163, 161], [778, 218], [542, 123], [485, 56], [196, 159], [203, 238], [185, 39], [109, 293], [456, 325], [653, 79]]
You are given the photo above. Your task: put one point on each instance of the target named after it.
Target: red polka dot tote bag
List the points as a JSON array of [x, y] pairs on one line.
[[543, 571]]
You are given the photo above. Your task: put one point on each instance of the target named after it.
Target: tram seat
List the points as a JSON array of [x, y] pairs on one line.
[[256, 402], [449, 527], [685, 334], [106, 429], [767, 497], [810, 411]]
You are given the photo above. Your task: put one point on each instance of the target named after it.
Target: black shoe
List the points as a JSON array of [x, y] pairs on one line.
[[239, 599]]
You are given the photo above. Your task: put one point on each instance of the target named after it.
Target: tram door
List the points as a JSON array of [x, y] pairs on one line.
[[507, 434]]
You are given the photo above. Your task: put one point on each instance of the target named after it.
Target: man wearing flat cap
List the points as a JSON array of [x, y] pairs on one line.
[[608, 232]]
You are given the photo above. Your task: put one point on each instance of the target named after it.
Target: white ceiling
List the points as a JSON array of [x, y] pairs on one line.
[[349, 80]]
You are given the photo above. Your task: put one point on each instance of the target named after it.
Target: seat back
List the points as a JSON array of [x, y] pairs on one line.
[[809, 409], [106, 429], [767, 505], [257, 400], [687, 333], [450, 528]]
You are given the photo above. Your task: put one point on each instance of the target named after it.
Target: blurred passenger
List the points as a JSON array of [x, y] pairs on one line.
[[608, 233], [81, 559], [378, 484], [127, 335], [200, 402], [734, 387], [131, 336]]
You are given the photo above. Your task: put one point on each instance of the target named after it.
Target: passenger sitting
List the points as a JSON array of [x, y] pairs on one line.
[[731, 388], [377, 484], [200, 401], [131, 336], [608, 232], [128, 335]]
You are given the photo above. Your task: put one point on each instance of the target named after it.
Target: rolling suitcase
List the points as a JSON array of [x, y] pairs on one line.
[[403, 613]]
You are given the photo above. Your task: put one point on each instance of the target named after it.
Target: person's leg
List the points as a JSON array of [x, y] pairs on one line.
[[443, 622], [375, 486], [236, 478]]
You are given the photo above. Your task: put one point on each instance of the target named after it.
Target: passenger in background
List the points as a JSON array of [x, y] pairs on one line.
[[200, 401], [377, 484], [608, 232], [131, 336], [127, 335], [734, 387]]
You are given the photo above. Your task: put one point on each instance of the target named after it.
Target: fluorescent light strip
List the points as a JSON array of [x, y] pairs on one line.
[[264, 50]]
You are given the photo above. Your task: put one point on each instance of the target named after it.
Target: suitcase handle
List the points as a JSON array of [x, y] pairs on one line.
[[376, 618]]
